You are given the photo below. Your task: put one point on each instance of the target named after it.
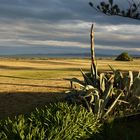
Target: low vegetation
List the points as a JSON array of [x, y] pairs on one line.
[[59, 121], [124, 57]]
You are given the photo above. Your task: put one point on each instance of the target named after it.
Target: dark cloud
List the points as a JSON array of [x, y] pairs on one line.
[[125, 44], [26, 23], [42, 50]]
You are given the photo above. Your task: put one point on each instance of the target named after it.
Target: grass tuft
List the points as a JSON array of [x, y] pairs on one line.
[[59, 121]]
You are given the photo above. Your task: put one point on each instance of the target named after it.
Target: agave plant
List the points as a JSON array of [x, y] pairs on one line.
[[98, 95], [101, 92]]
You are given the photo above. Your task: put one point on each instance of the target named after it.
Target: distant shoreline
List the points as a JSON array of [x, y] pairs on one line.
[[43, 56]]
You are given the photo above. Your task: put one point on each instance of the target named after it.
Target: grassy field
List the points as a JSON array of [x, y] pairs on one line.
[[34, 75], [28, 83]]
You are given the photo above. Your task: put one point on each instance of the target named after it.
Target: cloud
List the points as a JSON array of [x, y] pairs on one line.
[[40, 24], [115, 48]]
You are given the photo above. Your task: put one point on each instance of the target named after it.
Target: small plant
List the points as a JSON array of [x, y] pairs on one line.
[[59, 121], [124, 57]]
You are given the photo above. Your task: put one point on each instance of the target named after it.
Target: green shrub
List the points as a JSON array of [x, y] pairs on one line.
[[124, 57], [59, 121]]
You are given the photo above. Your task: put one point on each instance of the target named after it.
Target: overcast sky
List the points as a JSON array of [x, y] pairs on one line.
[[63, 26]]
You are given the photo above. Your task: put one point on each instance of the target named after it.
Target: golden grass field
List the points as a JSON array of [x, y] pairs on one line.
[[29, 83]]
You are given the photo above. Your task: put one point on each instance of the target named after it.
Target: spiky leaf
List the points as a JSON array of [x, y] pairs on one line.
[[113, 105], [102, 82], [86, 79]]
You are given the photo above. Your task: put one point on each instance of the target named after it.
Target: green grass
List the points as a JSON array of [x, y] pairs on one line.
[[62, 121], [59, 121]]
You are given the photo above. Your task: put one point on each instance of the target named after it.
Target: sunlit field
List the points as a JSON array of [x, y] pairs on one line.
[[28, 83], [34, 75]]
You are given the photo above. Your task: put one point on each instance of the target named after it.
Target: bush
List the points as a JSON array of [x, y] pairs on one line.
[[124, 57], [59, 121]]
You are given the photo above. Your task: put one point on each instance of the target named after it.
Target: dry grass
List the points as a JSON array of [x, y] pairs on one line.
[[27, 83], [47, 75]]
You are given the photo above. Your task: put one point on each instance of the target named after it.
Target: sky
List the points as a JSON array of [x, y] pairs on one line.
[[63, 27]]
